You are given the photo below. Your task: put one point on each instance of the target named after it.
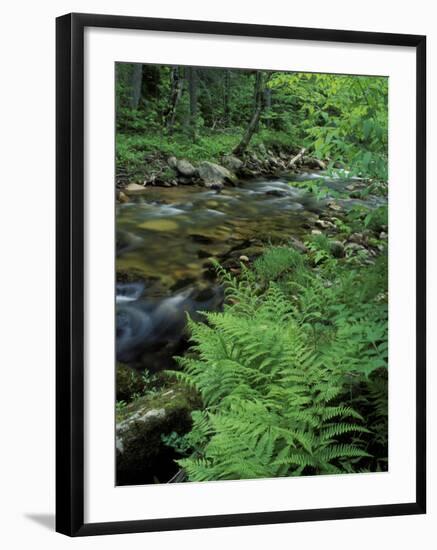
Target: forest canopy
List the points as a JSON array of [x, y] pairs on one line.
[[203, 113]]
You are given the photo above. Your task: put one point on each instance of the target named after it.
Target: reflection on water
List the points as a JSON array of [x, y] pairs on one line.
[[167, 233]]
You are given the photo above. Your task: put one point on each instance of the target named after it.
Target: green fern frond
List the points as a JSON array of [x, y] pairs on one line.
[[278, 369]]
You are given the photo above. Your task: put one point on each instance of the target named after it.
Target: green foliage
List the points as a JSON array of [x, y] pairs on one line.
[[276, 262], [377, 219], [120, 404], [319, 248], [131, 384], [149, 383], [316, 187], [344, 118], [293, 372], [177, 441], [341, 119], [134, 150], [286, 369]]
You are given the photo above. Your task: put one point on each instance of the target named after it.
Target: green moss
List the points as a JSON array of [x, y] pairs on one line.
[[142, 454], [171, 397], [128, 382]]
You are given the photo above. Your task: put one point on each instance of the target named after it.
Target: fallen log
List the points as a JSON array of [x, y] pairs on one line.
[[319, 163], [296, 158]]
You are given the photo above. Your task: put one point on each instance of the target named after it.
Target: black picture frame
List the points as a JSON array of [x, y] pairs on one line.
[[70, 273]]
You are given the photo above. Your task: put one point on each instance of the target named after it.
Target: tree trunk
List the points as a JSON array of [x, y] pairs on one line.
[[136, 82], [268, 105], [254, 121], [192, 90], [226, 97], [177, 84]]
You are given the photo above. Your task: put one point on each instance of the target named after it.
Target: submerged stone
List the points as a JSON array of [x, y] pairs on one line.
[[160, 224], [134, 189]]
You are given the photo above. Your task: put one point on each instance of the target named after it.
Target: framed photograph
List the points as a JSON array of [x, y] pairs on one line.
[[240, 274]]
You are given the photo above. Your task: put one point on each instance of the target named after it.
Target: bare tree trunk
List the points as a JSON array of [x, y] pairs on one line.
[[226, 97], [177, 84], [136, 82], [254, 121], [268, 105], [192, 90]]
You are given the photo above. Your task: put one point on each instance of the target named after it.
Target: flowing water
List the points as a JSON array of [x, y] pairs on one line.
[[166, 238]]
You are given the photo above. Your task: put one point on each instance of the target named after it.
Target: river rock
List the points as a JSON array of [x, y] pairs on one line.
[[185, 180], [337, 249], [214, 174], [139, 427], [172, 162], [214, 185], [351, 249], [358, 238], [298, 245], [324, 224], [185, 168], [122, 197], [262, 149], [159, 224], [277, 193], [356, 195], [134, 189], [232, 163]]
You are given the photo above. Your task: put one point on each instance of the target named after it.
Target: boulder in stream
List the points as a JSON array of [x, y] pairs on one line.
[[122, 197], [232, 163], [185, 168], [213, 174], [134, 189]]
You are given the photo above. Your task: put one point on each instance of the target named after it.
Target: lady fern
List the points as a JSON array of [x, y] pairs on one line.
[[271, 399], [279, 370]]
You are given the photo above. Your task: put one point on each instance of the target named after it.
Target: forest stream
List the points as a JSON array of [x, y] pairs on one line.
[[167, 237], [251, 261]]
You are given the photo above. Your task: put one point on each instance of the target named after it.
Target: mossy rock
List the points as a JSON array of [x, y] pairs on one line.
[[337, 249], [142, 457]]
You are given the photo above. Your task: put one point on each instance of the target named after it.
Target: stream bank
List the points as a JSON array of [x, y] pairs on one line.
[[167, 241]]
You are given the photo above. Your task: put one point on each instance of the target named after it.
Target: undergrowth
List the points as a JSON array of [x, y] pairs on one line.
[[136, 151], [293, 372]]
